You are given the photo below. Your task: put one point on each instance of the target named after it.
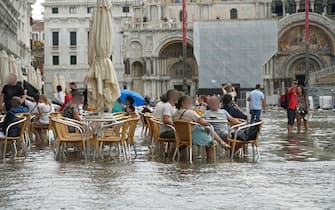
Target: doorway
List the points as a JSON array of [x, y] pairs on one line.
[[300, 79]]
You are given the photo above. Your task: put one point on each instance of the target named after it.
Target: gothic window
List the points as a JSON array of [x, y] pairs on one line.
[[291, 6], [233, 14], [318, 8], [277, 7]]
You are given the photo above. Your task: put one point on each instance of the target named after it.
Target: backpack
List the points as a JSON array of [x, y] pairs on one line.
[[283, 101]]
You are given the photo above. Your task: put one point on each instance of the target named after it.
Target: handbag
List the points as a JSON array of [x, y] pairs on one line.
[[199, 134]]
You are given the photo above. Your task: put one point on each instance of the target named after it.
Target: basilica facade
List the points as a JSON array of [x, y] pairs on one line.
[[152, 42]]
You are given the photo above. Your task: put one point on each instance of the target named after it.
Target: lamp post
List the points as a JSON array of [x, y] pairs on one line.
[[307, 44], [185, 89]]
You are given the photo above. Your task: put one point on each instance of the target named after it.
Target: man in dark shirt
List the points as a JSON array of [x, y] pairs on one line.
[[233, 109], [10, 90]]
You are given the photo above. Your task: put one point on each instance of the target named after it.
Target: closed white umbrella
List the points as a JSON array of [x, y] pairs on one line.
[[19, 75], [39, 82], [103, 87], [31, 76], [13, 68], [58, 80], [4, 71]]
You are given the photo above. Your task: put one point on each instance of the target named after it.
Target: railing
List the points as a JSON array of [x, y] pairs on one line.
[[315, 76], [148, 26]]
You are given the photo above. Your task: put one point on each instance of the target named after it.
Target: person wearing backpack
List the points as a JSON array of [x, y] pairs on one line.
[[292, 104]]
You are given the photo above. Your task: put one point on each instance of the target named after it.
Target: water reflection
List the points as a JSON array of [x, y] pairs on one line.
[[295, 172]]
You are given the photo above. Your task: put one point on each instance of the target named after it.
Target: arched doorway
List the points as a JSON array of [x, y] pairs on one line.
[[297, 68], [137, 71], [172, 53]]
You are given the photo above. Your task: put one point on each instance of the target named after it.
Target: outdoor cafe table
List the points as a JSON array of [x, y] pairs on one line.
[[93, 123]]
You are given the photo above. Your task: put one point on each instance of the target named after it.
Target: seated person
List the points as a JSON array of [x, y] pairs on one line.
[[72, 110], [185, 112], [118, 106], [44, 108], [167, 111], [14, 131], [17, 106], [221, 129], [146, 107], [233, 109], [32, 103], [130, 109]]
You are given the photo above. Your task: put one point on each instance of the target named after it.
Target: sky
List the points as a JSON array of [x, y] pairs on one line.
[[38, 10]]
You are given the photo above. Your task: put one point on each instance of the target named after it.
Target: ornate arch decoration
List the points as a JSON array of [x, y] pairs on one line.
[[300, 55], [168, 39], [322, 24], [135, 48]]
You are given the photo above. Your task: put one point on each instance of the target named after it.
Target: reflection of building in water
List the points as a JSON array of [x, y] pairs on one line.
[[151, 34]]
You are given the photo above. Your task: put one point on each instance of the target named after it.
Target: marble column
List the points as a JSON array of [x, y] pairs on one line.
[[257, 9], [312, 5], [269, 10], [297, 5], [284, 7], [271, 87], [265, 9], [325, 6]]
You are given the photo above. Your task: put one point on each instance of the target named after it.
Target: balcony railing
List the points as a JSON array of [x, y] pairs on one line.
[[315, 76], [159, 26]]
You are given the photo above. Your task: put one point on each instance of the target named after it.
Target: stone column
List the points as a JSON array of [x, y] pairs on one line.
[[297, 5], [325, 6], [257, 9], [312, 5], [265, 9], [153, 89], [271, 87], [269, 10], [284, 7], [148, 66]]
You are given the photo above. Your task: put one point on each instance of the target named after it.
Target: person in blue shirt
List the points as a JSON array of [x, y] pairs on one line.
[[257, 104], [17, 106]]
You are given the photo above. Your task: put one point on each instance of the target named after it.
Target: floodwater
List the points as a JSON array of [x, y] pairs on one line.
[[296, 172]]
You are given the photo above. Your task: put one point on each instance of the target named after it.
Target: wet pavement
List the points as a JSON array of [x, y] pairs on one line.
[[296, 172]]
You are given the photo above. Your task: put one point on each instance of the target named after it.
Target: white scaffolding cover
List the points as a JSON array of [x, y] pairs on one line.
[[233, 51]]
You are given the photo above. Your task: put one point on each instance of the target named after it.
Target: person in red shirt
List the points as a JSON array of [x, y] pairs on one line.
[[292, 105], [68, 98]]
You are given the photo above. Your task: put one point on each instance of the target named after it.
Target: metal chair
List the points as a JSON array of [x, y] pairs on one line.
[[20, 138], [254, 142], [155, 125], [131, 133], [63, 136], [184, 130], [118, 136]]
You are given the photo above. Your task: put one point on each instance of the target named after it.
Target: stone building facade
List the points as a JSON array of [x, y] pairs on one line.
[[147, 50], [152, 40], [15, 29]]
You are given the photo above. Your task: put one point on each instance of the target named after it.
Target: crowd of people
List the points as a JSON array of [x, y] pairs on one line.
[[172, 106]]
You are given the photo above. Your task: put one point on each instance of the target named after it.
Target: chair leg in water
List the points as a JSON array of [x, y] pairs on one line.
[[191, 155]]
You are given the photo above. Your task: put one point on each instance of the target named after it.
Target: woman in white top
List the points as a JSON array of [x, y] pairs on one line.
[[44, 108], [32, 104]]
